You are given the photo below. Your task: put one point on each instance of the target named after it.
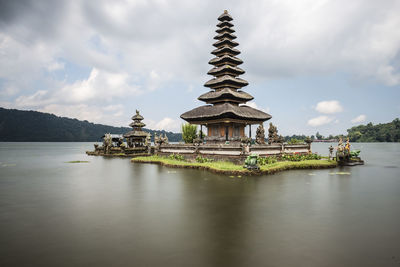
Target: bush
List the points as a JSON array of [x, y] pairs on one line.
[[295, 141], [299, 157], [266, 160], [189, 132], [176, 157], [200, 159]]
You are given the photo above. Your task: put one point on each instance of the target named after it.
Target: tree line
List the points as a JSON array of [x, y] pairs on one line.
[[33, 126], [382, 132]]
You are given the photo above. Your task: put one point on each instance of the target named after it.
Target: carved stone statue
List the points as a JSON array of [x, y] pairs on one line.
[[166, 141], [330, 152], [340, 147], [272, 134], [260, 135], [156, 138], [159, 140], [347, 146], [147, 141], [107, 143]]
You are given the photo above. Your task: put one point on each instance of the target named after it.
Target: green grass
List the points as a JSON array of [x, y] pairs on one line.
[[220, 165], [305, 164], [231, 168], [77, 161]]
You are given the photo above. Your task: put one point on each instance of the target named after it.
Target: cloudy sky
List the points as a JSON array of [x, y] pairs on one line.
[[313, 65]]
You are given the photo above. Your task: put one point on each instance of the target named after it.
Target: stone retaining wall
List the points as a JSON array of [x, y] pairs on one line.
[[230, 152]]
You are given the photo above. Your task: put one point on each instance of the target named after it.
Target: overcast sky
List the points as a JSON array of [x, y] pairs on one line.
[[313, 65]]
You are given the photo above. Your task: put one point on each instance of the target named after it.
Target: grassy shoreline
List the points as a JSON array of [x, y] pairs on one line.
[[230, 168]]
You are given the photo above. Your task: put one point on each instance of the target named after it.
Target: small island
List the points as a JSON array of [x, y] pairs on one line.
[[224, 147]]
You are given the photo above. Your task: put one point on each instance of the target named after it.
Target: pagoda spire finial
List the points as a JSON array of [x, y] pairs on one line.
[[225, 11]]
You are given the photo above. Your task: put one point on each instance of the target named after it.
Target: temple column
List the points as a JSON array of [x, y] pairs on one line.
[[250, 131]]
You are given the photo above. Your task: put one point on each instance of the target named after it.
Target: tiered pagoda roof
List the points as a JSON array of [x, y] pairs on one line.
[[225, 94], [137, 125]]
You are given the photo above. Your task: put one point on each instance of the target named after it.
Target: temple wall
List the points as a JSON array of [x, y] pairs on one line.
[[232, 152]]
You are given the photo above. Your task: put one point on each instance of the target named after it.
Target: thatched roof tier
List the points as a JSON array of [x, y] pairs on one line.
[[226, 70], [225, 16], [226, 81], [224, 24], [225, 60], [139, 134], [225, 50], [225, 41], [225, 29], [225, 94], [137, 124], [225, 111], [225, 98], [225, 35], [137, 116]]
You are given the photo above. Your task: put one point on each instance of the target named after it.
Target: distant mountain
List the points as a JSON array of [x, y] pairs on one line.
[[25, 126]]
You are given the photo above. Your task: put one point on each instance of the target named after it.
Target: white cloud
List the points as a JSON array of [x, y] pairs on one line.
[[141, 37], [100, 84], [318, 121], [53, 66], [254, 105], [329, 107], [91, 113], [38, 99], [359, 119], [166, 124]]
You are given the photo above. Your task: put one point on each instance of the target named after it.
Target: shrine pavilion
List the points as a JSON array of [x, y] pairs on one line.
[[225, 114], [136, 137]]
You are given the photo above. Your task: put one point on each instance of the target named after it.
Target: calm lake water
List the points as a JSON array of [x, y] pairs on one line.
[[111, 212]]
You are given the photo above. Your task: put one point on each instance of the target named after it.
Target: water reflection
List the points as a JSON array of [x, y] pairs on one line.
[[114, 212]]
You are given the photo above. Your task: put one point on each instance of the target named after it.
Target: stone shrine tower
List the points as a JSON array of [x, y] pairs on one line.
[[225, 114]]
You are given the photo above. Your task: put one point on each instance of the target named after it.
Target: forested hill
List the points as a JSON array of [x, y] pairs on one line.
[[382, 132], [20, 126]]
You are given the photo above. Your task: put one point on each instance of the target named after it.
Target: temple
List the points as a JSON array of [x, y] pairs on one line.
[[136, 137], [225, 114]]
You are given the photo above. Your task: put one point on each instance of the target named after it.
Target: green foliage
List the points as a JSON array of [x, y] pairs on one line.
[[384, 132], [231, 167], [300, 157], [200, 159], [23, 126], [294, 141], [177, 157], [201, 133], [354, 153], [189, 132], [267, 160]]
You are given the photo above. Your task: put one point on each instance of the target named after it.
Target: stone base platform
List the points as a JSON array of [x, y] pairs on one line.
[[230, 152]]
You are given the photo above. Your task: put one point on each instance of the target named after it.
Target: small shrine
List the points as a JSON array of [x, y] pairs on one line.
[[345, 156], [225, 114], [137, 137]]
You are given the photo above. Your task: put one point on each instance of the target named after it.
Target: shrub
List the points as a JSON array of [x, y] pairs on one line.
[[299, 157], [200, 159], [266, 160], [176, 157], [189, 132], [295, 141]]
